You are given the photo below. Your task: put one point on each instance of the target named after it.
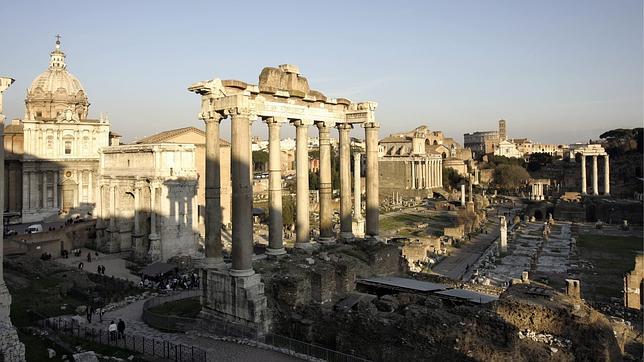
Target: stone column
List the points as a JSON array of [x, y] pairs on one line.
[[584, 188], [99, 204], [346, 232], [357, 207], [137, 206], [302, 226], [90, 187], [44, 189], [462, 194], [413, 174], [503, 235], [372, 179], [606, 175], [595, 180], [242, 248], [25, 191], [326, 187], [471, 195], [212, 242], [80, 187], [275, 225], [155, 247]]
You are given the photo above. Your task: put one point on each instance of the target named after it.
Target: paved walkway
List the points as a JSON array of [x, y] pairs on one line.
[[217, 350], [114, 264]]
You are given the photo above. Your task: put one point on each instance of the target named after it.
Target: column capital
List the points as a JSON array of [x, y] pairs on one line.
[[343, 126], [302, 122], [237, 111], [371, 125], [209, 117], [325, 124], [274, 121]]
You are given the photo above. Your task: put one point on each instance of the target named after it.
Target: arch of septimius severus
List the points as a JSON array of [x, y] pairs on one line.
[[282, 97]]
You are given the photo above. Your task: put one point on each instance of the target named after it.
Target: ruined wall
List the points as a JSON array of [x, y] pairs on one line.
[[633, 283]]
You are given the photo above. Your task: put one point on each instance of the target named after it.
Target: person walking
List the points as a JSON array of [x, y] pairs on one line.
[[101, 311], [112, 331], [103, 269], [98, 269], [89, 257], [121, 329]]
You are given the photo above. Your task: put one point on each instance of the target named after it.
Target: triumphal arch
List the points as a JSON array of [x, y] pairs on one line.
[[282, 97]]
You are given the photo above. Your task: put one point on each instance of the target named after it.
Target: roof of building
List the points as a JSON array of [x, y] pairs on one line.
[[166, 135], [394, 139], [56, 77]]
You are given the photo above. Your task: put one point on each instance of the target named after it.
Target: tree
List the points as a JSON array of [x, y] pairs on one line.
[[314, 181], [538, 160], [260, 158], [451, 178], [510, 177], [288, 210]]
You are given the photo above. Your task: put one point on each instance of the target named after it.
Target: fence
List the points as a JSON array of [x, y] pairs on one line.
[[145, 345], [223, 328]]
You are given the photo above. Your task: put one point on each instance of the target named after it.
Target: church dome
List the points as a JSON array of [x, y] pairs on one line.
[[55, 91]]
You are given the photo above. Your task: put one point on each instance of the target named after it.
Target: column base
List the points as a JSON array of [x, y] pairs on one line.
[[211, 263], [241, 273], [346, 236], [275, 252], [375, 239], [235, 300], [358, 228], [326, 240]]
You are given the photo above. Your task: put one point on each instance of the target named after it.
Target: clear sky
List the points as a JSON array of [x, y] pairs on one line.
[[557, 71]]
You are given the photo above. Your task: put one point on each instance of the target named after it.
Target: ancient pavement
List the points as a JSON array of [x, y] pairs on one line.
[[455, 265]]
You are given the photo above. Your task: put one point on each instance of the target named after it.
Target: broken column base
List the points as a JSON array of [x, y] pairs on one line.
[[358, 228], [236, 301], [11, 349]]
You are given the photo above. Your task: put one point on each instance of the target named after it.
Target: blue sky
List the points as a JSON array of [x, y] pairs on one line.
[[557, 71]]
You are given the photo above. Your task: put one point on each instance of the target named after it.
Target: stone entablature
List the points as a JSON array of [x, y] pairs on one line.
[[281, 97], [167, 160]]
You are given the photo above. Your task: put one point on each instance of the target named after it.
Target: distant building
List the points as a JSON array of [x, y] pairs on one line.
[[482, 142], [508, 149]]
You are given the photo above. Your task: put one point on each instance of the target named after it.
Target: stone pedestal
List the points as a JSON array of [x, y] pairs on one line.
[[470, 206], [358, 228], [11, 349], [236, 299], [154, 254], [503, 235]]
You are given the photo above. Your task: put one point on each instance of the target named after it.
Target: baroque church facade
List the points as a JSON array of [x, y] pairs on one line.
[[57, 146], [61, 163]]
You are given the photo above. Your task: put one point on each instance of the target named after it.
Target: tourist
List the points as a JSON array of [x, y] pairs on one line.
[[101, 312], [89, 257], [103, 269], [98, 269], [112, 331], [121, 329], [80, 266]]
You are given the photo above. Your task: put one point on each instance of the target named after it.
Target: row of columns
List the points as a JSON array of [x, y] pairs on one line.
[[425, 173], [595, 178], [113, 201], [242, 235], [536, 193]]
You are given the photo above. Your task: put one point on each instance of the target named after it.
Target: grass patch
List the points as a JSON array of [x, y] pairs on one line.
[[188, 308], [403, 220], [612, 256]]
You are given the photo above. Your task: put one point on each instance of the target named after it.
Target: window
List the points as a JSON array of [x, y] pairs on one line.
[[68, 147]]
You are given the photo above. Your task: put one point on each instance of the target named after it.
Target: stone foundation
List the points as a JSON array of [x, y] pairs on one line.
[[235, 299]]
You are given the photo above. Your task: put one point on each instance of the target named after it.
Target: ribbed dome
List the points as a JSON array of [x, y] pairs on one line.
[[56, 91], [54, 79]]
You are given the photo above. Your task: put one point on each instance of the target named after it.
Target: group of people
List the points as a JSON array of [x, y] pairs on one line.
[[171, 282], [91, 311], [45, 256], [100, 269], [117, 331]]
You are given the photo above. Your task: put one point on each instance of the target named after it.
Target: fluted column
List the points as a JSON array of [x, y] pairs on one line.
[[213, 244], [242, 248], [372, 179], [112, 206], [606, 175], [462, 194], [595, 180], [346, 232], [326, 222], [302, 223], [275, 225], [584, 187]]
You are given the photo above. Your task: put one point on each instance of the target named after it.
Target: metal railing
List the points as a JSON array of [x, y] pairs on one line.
[[153, 347], [223, 328]]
